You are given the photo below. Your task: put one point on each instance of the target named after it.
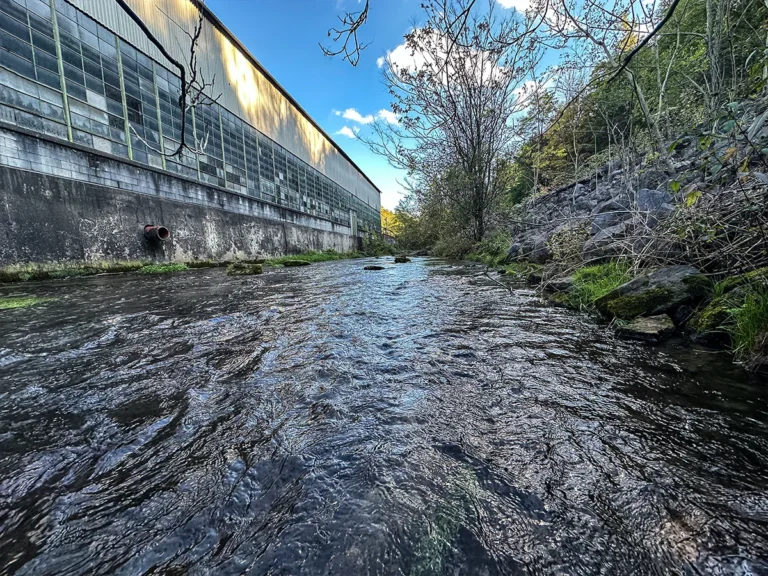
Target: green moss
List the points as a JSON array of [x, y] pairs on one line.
[[698, 285], [163, 268], [21, 302], [630, 306], [203, 264], [242, 269], [593, 282], [712, 316], [295, 262]]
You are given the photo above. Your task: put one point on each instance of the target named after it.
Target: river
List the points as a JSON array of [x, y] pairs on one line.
[[328, 420]]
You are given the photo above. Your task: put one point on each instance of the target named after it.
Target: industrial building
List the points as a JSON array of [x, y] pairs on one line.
[[89, 116]]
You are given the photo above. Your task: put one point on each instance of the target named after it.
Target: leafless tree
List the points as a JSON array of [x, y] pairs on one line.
[[195, 89], [456, 100], [346, 36]]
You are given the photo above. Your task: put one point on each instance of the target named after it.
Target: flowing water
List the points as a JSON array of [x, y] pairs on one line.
[[328, 420]]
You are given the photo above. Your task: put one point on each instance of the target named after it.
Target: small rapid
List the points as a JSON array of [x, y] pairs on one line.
[[329, 420]]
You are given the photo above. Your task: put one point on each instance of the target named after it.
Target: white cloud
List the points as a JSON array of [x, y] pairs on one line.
[[388, 116], [346, 131], [519, 5], [355, 116]]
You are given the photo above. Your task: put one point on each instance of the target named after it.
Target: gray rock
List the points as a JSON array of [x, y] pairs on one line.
[[652, 329], [559, 284], [653, 200], [606, 220], [655, 292], [618, 204], [514, 250], [596, 246]]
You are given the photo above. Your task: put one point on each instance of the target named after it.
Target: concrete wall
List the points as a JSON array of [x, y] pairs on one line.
[[60, 202], [246, 89]]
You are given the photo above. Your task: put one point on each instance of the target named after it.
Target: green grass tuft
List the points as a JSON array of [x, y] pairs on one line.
[[749, 328], [21, 302], [163, 268], [593, 282]]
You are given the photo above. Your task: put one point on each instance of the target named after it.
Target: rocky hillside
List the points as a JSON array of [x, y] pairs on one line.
[[665, 245]]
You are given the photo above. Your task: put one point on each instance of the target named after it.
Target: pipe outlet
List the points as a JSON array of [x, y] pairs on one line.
[[156, 233]]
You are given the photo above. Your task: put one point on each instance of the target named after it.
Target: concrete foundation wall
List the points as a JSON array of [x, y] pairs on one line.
[[61, 203]]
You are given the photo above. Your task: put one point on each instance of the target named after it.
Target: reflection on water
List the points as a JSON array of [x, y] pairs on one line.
[[418, 420]]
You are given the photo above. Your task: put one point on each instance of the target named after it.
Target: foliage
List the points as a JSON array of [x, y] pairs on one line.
[[390, 224], [491, 251], [375, 245], [593, 282]]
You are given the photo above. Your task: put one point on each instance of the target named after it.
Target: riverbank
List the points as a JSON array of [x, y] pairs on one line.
[[652, 305], [60, 271]]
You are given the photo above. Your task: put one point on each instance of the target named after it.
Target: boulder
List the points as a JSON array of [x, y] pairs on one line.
[[374, 267], [243, 269], [514, 250], [402, 259], [290, 263], [655, 292], [651, 329]]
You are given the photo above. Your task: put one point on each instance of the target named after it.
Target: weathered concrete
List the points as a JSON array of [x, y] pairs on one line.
[[62, 204]]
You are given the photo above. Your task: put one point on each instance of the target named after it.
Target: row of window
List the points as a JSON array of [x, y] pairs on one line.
[[120, 101]]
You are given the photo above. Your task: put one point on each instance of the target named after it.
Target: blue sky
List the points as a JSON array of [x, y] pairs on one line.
[[284, 36]]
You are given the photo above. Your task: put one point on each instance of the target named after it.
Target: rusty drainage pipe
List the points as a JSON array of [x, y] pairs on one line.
[[157, 233]]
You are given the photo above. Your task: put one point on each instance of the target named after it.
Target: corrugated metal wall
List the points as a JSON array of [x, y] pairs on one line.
[[244, 89]]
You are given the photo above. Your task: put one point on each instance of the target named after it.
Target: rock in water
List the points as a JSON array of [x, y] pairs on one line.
[[655, 292], [240, 269], [649, 329], [374, 267], [401, 259], [289, 263]]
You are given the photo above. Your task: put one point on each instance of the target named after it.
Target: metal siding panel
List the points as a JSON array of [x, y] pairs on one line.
[[245, 91]]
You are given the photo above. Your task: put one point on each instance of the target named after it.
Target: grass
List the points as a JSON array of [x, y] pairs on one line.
[[163, 268], [593, 282], [312, 257], [21, 302], [749, 329]]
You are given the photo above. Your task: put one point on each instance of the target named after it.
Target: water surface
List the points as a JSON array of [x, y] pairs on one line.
[[328, 420]]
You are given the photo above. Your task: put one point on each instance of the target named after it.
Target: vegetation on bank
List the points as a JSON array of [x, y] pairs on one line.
[[732, 312], [593, 282], [22, 302], [312, 257], [163, 268]]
